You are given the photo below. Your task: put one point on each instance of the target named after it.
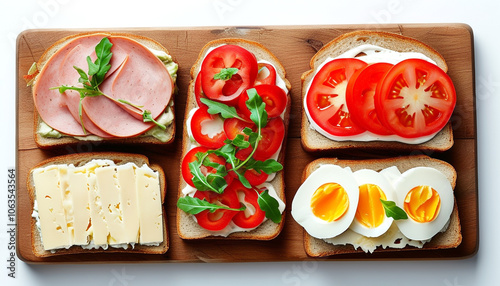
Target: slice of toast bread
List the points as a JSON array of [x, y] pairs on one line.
[[313, 141], [187, 228], [451, 238], [81, 159]]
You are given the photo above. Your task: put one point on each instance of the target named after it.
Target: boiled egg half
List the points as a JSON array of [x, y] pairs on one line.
[[326, 203], [426, 195]]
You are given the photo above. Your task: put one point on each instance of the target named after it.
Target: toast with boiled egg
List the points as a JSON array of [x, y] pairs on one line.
[[103, 202], [364, 231], [103, 87], [270, 75], [357, 95]]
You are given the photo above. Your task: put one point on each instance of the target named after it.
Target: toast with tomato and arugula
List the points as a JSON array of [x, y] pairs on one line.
[[377, 91], [234, 137]]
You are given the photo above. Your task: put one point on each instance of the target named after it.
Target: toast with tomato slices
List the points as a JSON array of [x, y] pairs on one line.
[[313, 141], [187, 226], [58, 120], [69, 200], [449, 237]]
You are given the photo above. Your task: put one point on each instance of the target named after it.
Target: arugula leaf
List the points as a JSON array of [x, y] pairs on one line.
[[392, 210], [270, 206], [257, 108], [147, 117], [226, 73], [195, 206], [240, 142], [269, 166], [225, 111]]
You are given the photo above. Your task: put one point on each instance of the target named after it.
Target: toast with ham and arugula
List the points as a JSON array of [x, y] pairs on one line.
[[109, 87], [237, 113], [101, 202], [359, 93]]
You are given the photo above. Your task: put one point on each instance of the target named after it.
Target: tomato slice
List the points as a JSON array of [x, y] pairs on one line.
[[220, 218], [198, 93], [415, 99], [266, 74], [326, 98], [199, 119], [191, 157], [272, 95], [360, 97], [223, 57], [235, 126], [254, 215], [272, 137]]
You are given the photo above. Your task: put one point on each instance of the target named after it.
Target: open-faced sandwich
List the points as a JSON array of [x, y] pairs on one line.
[[377, 90], [237, 113], [106, 87], [356, 206], [97, 203]]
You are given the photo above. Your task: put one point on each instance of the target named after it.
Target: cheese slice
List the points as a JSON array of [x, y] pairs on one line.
[[77, 187], [111, 204], [149, 199], [50, 208], [127, 182]]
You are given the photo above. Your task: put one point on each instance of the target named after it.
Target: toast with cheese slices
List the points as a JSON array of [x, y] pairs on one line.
[[187, 227], [75, 195], [72, 51], [314, 141], [450, 237]]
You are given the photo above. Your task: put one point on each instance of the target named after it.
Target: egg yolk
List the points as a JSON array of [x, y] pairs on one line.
[[370, 212], [422, 204], [330, 202]]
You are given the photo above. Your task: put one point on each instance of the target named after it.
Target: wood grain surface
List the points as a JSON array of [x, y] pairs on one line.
[[293, 46]]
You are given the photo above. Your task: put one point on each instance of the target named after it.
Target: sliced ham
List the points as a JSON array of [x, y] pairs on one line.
[[136, 75], [142, 80]]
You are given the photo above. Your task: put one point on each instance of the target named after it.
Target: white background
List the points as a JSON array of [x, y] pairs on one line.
[[482, 16]]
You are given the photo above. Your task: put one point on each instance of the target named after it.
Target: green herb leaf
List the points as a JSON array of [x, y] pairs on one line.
[[195, 206], [240, 142], [257, 108], [101, 65], [224, 110], [392, 210], [270, 206], [269, 166], [226, 73], [147, 117]]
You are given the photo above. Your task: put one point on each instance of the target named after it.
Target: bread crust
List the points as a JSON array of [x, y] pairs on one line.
[[52, 143], [313, 141], [451, 238], [187, 228], [79, 159]]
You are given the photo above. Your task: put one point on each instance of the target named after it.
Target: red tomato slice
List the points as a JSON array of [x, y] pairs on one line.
[[228, 56], [272, 95], [266, 75], [198, 93], [201, 115], [219, 219], [250, 200], [326, 102], [191, 157], [360, 97], [272, 137], [416, 98], [234, 126]]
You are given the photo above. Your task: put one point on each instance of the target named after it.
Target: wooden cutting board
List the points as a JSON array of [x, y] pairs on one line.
[[294, 46]]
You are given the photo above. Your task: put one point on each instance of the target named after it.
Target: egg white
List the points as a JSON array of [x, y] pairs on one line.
[[424, 176], [301, 209], [366, 176]]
